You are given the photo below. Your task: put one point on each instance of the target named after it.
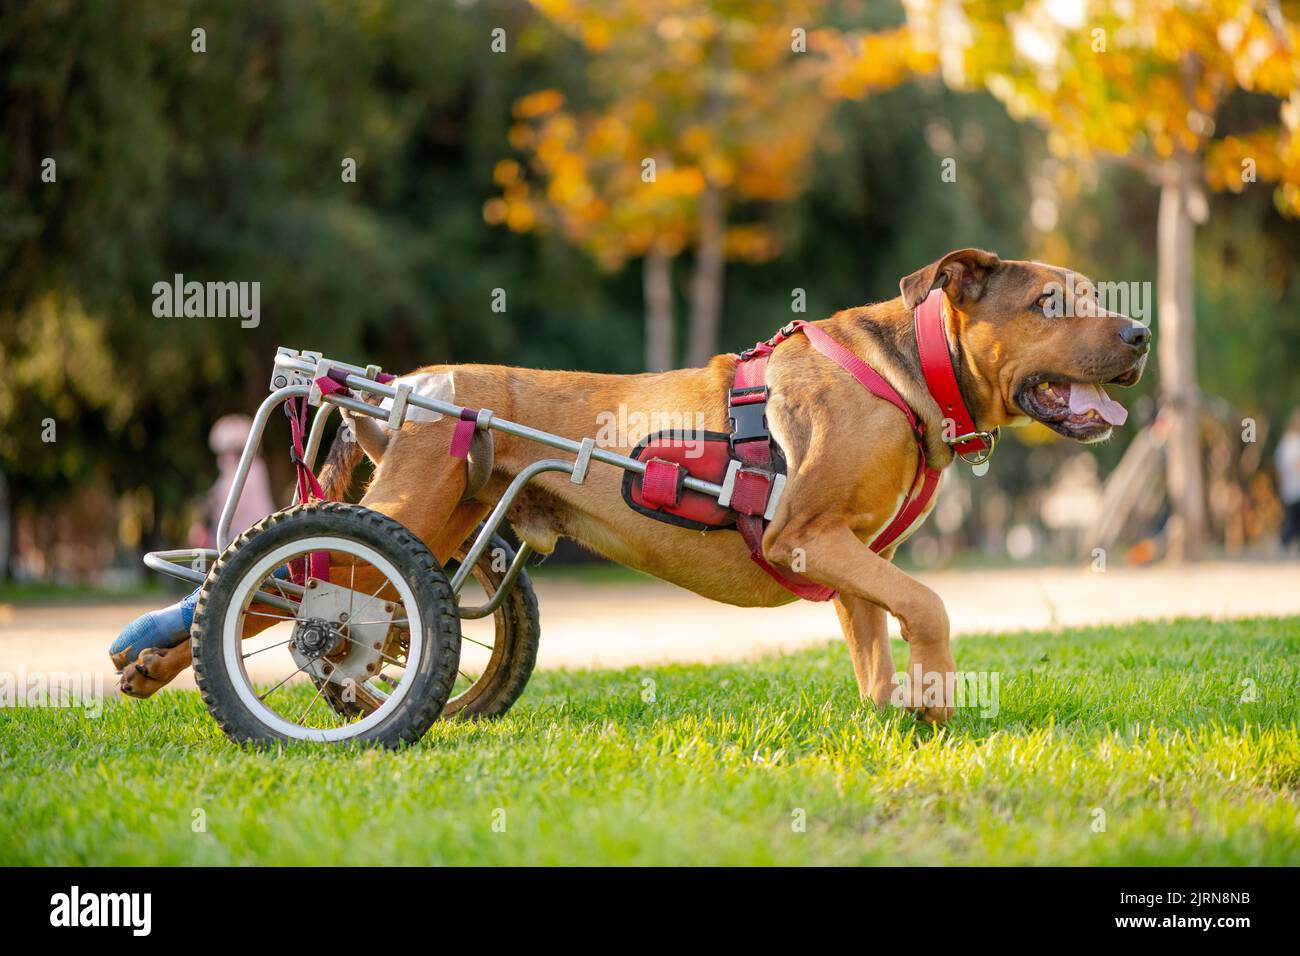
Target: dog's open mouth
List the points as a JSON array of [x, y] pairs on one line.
[[1076, 410]]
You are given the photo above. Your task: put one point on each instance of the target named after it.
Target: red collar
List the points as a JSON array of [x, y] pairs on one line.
[[971, 444]]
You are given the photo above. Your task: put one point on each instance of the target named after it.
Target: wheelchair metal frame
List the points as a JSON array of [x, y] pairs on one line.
[[295, 376]]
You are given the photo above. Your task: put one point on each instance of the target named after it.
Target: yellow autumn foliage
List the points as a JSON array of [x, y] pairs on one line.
[[696, 96], [1140, 79]]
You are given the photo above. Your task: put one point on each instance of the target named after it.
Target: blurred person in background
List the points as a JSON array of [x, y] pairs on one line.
[[171, 625], [1287, 460], [227, 440]]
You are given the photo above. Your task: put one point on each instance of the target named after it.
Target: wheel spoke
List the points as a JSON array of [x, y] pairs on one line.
[[275, 583], [352, 583], [278, 617], [282, 683], [324, 682], [490, 647], [267, 648]]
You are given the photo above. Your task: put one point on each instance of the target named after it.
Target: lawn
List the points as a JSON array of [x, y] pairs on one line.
[[1171, 743]]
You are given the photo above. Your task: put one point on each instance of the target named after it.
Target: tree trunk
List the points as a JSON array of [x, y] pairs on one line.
[[658, 290], [706, 280], [1176, 344]]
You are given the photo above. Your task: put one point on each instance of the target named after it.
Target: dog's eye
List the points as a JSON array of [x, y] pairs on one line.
[[1040, 304]]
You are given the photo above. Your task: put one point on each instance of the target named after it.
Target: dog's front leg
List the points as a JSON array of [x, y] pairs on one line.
[[867, 634], [833, 555]]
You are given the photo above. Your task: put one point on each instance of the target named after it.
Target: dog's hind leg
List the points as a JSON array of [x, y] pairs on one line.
[[155, 668], [867, 633], [418, 484], [457, 529]]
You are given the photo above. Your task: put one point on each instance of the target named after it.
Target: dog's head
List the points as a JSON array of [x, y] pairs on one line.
[[1034, 341]]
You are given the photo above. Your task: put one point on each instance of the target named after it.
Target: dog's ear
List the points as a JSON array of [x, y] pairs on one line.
[[960, 273]]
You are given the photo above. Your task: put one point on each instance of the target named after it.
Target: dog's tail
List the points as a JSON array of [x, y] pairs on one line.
[[344, 456], [358, 435]]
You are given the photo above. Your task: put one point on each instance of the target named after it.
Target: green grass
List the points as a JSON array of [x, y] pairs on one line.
[[1145, 723], [43, 592]]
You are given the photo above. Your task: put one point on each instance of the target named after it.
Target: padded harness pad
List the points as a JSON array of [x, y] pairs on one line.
[[703, 455]]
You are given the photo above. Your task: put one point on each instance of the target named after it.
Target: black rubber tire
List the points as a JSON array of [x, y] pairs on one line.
[[429, 583], [518, 634]]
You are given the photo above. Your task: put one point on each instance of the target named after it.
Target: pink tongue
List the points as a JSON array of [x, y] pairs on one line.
[[1086, 398]]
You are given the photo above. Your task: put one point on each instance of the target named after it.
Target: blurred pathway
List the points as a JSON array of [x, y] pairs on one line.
[[628, 624]]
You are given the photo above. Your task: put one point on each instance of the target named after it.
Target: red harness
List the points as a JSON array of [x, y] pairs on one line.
[[752, 443]]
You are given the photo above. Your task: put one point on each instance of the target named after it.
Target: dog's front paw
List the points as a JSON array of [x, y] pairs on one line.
[[934, 716], [928, 688], [154, 669], [884, 693]]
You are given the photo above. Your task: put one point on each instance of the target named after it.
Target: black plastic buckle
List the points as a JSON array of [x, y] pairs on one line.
[[748, 421]]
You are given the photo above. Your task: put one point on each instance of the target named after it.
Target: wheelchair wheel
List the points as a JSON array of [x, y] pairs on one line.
[[498, 653], [382, 630]]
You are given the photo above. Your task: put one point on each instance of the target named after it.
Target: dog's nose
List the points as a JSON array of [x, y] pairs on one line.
[[1138, 336]]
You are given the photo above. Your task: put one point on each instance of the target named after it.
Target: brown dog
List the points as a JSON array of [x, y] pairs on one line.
[[851, 456]]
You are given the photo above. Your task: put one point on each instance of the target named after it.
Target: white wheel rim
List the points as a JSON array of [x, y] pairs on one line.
[[470, 641], [232, 639]]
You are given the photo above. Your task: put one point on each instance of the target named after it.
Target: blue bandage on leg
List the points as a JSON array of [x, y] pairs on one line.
[[165, 628]]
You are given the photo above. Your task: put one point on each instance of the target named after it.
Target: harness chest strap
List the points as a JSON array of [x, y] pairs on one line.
[[752, 445]]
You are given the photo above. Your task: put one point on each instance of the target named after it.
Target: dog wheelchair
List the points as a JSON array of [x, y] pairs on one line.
[[377, 625], [371, 632]]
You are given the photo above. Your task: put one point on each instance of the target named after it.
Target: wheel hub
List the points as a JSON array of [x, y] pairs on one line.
[[315, 638], [340, 634]]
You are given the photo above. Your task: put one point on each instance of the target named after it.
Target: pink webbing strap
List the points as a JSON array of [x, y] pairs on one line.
[[340, 377], [751, 529], [308, 488], [328, 385], [923, 488], [751, 491], [926, 479], [318, 564], [463, 434], [661, 485], [870, 379]]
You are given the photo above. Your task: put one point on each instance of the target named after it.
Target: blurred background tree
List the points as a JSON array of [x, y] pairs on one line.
[[697, 120]]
